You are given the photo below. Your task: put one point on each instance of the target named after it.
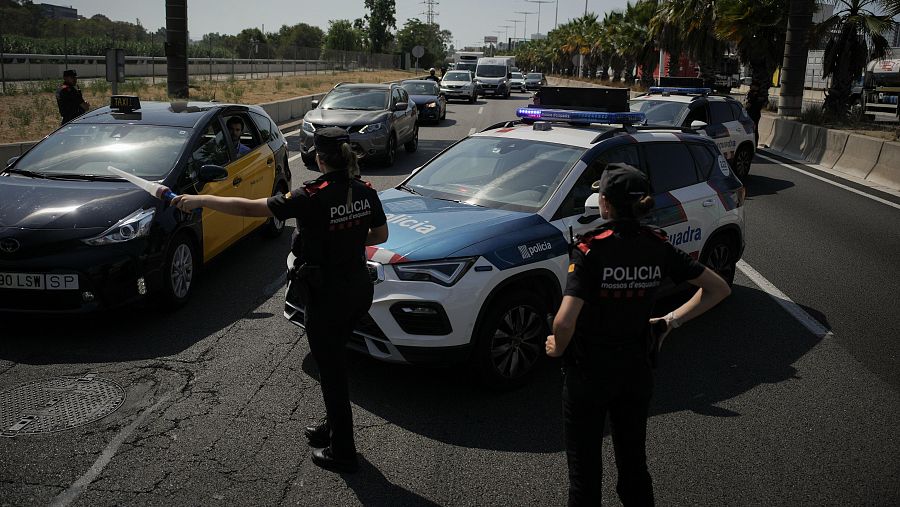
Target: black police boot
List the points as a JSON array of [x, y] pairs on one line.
[[319, 434], [325, 459]]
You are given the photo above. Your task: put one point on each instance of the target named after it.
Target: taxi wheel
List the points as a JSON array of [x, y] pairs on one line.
[[511, 339], [413, 144], [742, 160], [720, 256], [179, 272]]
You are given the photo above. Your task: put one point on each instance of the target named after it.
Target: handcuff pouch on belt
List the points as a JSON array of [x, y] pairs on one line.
[[304, 280]]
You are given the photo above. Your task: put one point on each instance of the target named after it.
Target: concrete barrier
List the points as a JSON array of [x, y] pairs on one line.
[[860, 155], [835, 141], [783, 133], [766, 128], [887, 171], [812, 142], [10, 150]]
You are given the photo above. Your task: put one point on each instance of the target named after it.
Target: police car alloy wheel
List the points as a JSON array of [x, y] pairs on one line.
[[511, 338], [742, 160], [720, 257], [179, 271]]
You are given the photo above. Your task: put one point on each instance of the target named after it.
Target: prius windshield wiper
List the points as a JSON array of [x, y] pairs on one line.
[[408, 189], [88, 177]]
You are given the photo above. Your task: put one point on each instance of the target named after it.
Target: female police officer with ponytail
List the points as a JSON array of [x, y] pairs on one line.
[[603, 331], [337, 217]]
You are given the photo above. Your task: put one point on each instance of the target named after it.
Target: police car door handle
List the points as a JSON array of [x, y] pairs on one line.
[[709, 202], [237, 181]]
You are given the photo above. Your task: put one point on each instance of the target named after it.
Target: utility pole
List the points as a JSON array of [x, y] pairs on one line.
[[525, 23], [539, 2], [430, 13]]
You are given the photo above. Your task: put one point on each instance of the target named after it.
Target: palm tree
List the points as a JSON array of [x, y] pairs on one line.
[[853, 35], [757, 29], [689, 25]]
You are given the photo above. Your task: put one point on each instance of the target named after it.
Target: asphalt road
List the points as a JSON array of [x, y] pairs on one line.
[[750, 407]]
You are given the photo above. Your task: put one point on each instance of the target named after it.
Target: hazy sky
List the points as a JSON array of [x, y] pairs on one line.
[[469, 20]]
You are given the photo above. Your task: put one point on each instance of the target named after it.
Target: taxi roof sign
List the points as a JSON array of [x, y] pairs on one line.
[[124, 103]]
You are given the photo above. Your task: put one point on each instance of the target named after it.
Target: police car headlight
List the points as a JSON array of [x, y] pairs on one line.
[[444, 273], [374, 127], [308, 127], [131, 227]]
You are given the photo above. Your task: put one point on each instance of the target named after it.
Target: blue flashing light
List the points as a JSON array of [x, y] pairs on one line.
[[534, 113], [678, 89]]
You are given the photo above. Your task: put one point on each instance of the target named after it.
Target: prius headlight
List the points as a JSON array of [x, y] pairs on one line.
[[372, 127], [133, 226], [445, 272]]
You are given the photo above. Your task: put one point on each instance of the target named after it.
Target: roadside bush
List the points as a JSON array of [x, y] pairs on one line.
[[813, 115]]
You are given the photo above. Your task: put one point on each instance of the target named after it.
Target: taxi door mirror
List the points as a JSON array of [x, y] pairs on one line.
[[697, 124], [591, 209], [211, 172]]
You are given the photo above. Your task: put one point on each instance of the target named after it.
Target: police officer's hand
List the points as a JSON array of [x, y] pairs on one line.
[[661, 337], [551, 348], [187, 203]]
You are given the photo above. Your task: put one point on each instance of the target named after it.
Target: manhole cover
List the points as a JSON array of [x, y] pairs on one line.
[[57, 404]]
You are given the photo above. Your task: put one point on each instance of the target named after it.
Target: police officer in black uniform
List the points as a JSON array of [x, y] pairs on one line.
[[337, 215], [431, 76], [69, 98], [603, 331]]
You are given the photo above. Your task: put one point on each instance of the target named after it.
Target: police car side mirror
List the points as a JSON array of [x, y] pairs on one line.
[[591, 209], [212, 172], [697, 124], [314, 104], [11, 161]]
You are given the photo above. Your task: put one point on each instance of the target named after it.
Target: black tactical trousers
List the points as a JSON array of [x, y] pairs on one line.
[[619, 384], [333, 311]]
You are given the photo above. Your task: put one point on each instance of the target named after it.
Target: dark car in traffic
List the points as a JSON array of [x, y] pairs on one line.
[[378, 117], [75, 238], [430, 100], [534, 81]]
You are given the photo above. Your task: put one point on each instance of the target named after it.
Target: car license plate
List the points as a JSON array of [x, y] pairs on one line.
[[38, 281]]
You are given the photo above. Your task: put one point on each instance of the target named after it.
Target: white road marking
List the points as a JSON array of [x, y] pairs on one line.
[[291, 132], [74, 491], [295, 157], [830, 182], [814, 326], [480, 109], [472, 130]]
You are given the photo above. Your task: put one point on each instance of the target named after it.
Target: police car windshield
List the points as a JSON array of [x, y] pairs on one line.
[[659, 112], [457, 76], [499, 173], [362, 99], [491, 71], [421, 88], [148, 151]]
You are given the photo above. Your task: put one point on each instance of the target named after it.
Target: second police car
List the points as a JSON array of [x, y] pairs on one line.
[[479, 236], [682, 102]]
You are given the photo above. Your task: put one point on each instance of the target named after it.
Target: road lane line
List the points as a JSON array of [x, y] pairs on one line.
[[810, 323], [295, 157], [480, 109], [74, 491], [826, 180], [291, 132], [472, 130]]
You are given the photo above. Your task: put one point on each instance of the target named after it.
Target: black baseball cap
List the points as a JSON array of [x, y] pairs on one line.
[[69, 72], [622, 183], [330, 139]]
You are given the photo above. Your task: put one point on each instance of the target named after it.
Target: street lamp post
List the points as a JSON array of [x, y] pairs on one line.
[[525, 23], [506, 32], [539, 2]]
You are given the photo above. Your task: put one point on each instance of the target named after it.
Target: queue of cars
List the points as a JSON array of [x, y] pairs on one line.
[[479, 235]]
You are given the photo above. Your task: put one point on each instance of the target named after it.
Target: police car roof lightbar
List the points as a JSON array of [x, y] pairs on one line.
[[680, 90], [535, 113]]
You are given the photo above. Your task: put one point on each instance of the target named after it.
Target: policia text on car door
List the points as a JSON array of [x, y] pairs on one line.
[[614, 275]]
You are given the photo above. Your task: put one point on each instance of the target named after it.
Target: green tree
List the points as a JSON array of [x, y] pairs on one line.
[[757, 29], [301, 35], [379, 20], [342, 36], [431, 37], [853, 35]]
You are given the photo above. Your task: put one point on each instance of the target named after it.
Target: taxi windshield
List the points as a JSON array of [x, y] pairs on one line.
[[150, 152], [659, 112], [421, 88], [362, 99], [499, 173]]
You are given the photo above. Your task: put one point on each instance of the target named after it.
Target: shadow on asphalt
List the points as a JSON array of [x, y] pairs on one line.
[[446, 122], [744, 343], [229, 288], [371, 487], [763, 185]]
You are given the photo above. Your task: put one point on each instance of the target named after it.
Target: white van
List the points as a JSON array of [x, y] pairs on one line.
[[493, 75]]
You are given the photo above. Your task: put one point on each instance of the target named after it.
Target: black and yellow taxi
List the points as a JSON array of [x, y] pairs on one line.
[[76, 238]]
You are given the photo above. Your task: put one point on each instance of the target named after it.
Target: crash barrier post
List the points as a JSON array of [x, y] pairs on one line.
[[8, 151], [860, 155], [887, 171]]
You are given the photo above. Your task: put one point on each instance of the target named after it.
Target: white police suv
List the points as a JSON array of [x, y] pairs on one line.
[[720, 117], [479, 236]]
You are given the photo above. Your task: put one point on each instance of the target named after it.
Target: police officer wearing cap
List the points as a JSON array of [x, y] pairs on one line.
[[337, 215], [607, 338], [69, 98]]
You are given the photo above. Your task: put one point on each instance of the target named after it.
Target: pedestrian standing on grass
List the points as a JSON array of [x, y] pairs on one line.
[[69, 99]]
